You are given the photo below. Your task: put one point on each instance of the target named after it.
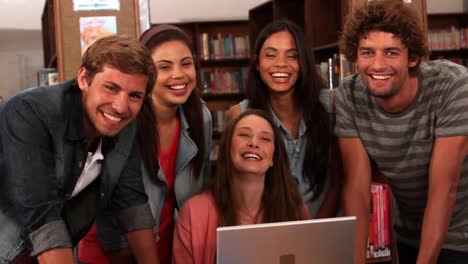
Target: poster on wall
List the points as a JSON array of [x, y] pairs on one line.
[[94, 28], [92, 5]]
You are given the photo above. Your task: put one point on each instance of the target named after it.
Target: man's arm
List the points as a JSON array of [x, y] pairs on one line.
[[141, 249], [57, 255], [356, 190], [141, 243], [444, 172], [29, 162], [332, 200]]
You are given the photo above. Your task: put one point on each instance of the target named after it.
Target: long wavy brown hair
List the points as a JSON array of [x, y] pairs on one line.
[[281, 199], [392, 16]]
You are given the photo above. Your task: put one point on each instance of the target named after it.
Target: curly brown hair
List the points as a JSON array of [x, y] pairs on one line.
[[392, 16]]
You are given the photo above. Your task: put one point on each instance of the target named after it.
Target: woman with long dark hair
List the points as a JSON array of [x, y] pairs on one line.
[[283, 81]]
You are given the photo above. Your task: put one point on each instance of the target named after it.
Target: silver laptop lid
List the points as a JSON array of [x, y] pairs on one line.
[[329, 241]]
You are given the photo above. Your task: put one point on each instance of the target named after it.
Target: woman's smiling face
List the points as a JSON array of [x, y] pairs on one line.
[[252, 145], [176, 76]]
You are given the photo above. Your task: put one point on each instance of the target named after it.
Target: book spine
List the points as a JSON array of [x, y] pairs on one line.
[[219, 54], [375, 222], [370, 239], [247, 46], [387, 219], [205, 46], [381, 222]]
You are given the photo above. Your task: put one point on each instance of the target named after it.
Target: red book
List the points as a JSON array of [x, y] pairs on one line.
[[386, 216], [381, 221]]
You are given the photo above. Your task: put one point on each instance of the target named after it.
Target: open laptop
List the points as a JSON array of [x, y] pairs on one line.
[[323, 241]]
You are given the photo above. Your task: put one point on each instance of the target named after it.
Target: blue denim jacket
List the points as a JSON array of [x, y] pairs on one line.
[[185, 185], [296, 151], [43, 149]]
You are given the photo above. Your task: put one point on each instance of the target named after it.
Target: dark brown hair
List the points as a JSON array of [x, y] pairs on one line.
[[120, 52], [306, 97], [281, 199], [392, 16], [148, 135]]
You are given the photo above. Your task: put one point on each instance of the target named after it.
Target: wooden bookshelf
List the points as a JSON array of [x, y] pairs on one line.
[[48, 35], [259, 17], [263, 14]]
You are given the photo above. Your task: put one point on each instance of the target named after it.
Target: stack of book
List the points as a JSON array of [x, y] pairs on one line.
[[378, 244]]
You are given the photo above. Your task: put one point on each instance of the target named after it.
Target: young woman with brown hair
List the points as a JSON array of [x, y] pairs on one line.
[[253, 184]]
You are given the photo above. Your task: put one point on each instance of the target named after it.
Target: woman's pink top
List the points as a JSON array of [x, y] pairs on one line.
[[195, 231]]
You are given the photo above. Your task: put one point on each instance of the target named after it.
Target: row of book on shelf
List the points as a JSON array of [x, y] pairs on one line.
[[218, 46], [221, 80], [452, 38], [379, 242]]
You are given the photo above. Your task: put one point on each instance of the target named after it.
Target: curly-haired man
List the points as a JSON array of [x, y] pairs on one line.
[[409, 119]]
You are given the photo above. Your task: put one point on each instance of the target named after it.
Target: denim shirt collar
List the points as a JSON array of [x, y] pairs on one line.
[[302, 126]]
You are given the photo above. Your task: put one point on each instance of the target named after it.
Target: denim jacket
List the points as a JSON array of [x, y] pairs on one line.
[[185, 185], [43, 149]]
